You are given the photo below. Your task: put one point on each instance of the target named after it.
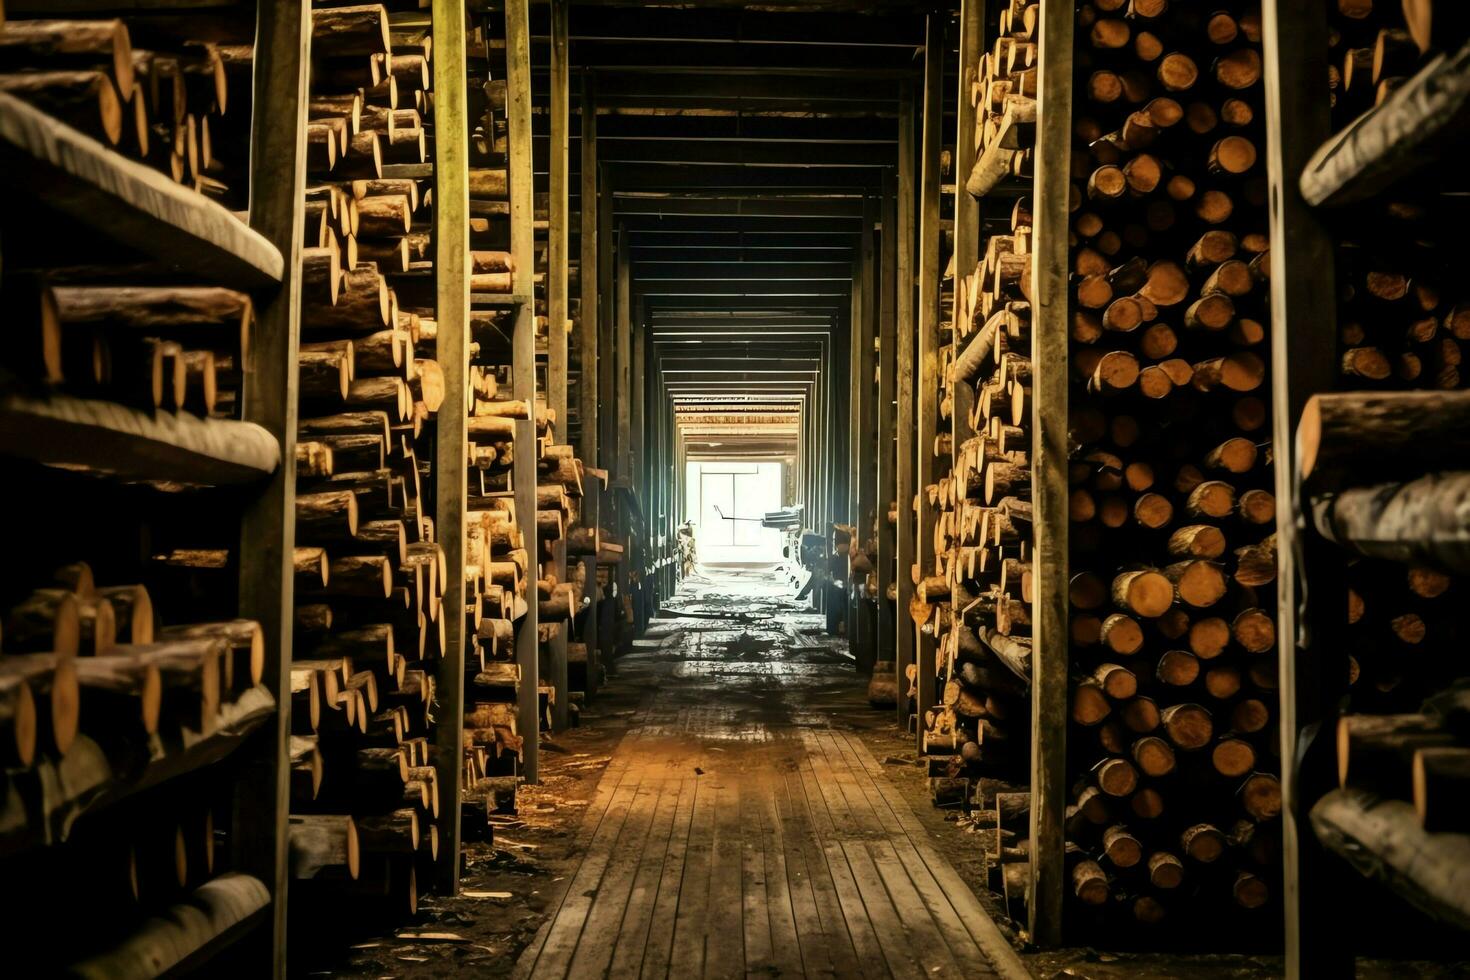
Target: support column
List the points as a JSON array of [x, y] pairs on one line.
[[451, 471], [523, 366], [904, 461], [927, 323], [557, 243], [887, 639], [588, 319], [865, 469]]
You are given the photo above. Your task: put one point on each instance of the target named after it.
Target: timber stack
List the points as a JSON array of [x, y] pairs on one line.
[[369, 576], [1172, 743], [125, 687], [1381, 466], [989, 649]]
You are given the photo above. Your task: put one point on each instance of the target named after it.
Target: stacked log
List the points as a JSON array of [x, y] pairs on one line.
[[172, 92], [370, 622], [1172, 743]]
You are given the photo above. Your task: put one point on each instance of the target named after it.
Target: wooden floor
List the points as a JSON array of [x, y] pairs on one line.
[[741, 831]]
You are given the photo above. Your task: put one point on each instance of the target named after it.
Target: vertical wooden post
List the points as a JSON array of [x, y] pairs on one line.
[[588, 322], [523, 366], [268, 523], [606, 395], [888, 618], [927, 384], [905, 350], [635, 400], [1303, 328], [856, 434], [1050, 638], [557, 241], [452, 298], [966, 211], [865, 472], [622, 392]]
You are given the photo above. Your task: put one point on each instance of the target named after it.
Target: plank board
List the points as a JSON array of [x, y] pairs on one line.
[[715, 848]]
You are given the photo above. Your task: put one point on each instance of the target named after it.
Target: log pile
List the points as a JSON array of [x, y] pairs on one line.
[[150, 89], [1172, 746], [1381, 471], [510, 556], [370, 622], [1403, 311], [170, 91], [105, 714]]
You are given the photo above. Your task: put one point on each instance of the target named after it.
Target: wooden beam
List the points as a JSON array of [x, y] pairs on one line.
[[268, 521], [1303, 318], [905, 344], [927, 324], [667, 206], [452, 309], [885, 559], [557, 246], [523, 368], [589, 318], [1049, 348]]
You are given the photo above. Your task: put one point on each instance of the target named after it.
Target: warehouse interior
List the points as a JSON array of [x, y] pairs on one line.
[[575, 488]]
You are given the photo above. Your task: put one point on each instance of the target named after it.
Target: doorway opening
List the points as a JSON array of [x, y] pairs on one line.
[[726, 501]]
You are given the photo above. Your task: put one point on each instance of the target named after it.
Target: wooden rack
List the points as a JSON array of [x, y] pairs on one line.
[[124, 219]]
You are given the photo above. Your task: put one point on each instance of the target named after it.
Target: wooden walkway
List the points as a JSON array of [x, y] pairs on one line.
[[738, 833]]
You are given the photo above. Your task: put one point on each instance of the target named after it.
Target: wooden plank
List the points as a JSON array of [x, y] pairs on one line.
[[558, 242], [108, 438], [927, 324], [724, 952], [976, 920], [452, 349], [130, 202], [754, 898], [1049, 352], [555, 956], [836, 894], [691, 919], [664, 917], [1312, 663], [592, 819], [899, 854], [588, 319], [523, 367], [905, 464], [662, 860], [604, 920], [785, 949], [821, 931], [268, 521]]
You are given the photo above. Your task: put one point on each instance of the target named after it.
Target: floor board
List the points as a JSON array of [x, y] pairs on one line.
[[740, 831]]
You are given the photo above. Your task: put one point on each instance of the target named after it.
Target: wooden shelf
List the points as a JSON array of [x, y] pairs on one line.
[[42, 803], [1423, 118], [128, 202], [105, 437]]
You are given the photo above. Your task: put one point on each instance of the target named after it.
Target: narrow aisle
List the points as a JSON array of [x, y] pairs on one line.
[[742, 829]]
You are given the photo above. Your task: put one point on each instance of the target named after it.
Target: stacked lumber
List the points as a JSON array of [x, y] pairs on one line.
[[1172, 743], [978, 597], [1381, 464], [370, 622], [172, 91], [120, 333], [106, 714]]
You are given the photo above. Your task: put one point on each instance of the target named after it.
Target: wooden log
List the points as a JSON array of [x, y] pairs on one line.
[[323, 843], [1417, 523], [31, 45], [1383, 840]]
